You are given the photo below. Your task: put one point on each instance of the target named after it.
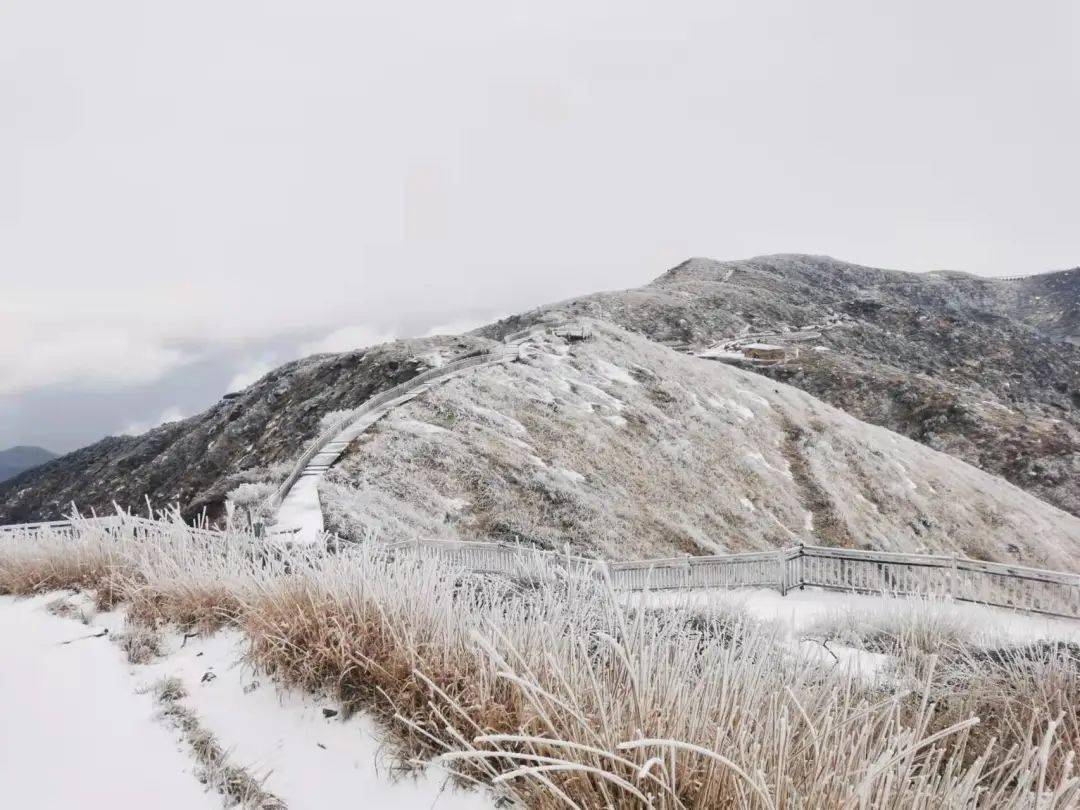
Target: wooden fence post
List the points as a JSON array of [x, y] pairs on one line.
[[781, 559], [799, 553]]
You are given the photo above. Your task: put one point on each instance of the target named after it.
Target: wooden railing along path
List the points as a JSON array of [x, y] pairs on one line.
[[1036, 590], [1055, 593], [338, 432]]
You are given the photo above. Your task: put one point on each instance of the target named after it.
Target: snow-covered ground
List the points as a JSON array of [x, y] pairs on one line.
[[73, 731], [76, 731], [800, 610], [300, 513], [803, 616]]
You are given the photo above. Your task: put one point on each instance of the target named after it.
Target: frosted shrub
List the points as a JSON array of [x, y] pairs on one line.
[[332, 418], [252, 500], [557, 695]]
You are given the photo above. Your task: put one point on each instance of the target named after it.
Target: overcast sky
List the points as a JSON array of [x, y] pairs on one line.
[[193, 192]]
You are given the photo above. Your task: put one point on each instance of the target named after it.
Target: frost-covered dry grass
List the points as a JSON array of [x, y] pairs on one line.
[[625, 449], [237, 786], [565, 697]]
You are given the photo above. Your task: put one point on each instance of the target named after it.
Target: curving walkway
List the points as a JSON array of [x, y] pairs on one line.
[[298, 510]]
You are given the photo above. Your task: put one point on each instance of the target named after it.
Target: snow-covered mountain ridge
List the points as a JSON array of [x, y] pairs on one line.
[[619, 447], [624, 446], [986, 370]]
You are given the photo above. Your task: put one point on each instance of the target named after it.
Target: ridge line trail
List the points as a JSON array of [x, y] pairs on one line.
[[300, 513]]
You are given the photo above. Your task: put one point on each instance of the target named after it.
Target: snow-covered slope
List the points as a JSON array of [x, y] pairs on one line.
[[620, 447], [983, 369], [74, 733], [81, 729]]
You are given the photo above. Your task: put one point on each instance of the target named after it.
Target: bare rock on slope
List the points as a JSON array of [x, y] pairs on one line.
[[620, 447]]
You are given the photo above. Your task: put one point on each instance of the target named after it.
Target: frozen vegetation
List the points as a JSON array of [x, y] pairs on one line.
[[276, 672], [987, 370], [561, 694], [624, 449]]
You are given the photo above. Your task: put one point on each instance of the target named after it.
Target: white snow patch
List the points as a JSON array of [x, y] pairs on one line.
[[416, 427], [755, 398], [598, 396], [516, 442], [904, 477], [800, 609], [74, 731], [433, 359], [614, 373], [720, 354], [740, 410], [80, 710], [300, 518], [757, 458], [500, 419], [310, 761], [570, 475]]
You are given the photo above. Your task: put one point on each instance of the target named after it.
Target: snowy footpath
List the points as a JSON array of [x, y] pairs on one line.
[[79, 727], [800, 610], [801, 616], [72, 731]]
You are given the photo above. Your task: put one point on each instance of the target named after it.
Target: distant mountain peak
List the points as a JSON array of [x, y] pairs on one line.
[[22, 457]]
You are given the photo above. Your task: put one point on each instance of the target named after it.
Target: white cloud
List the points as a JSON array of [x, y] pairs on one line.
[[346, 339], [89, 353], [249, 374], [138, 428], [190, 220], [461, 325]]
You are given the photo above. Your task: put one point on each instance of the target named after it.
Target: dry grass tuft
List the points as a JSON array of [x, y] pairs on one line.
[[140, 643], [66, 608], [564, 697], [901, 624], [237, 787]]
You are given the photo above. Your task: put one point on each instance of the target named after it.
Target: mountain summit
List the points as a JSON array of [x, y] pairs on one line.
[[987, 370], [725, 406]]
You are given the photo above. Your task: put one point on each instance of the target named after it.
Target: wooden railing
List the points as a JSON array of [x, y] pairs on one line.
[[378, 401], [501, 558], [138, 525], [1055, 593], [1032, 589], [765, 569]]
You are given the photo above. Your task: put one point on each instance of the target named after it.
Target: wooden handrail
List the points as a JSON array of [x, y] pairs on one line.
[[1055, 593]]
